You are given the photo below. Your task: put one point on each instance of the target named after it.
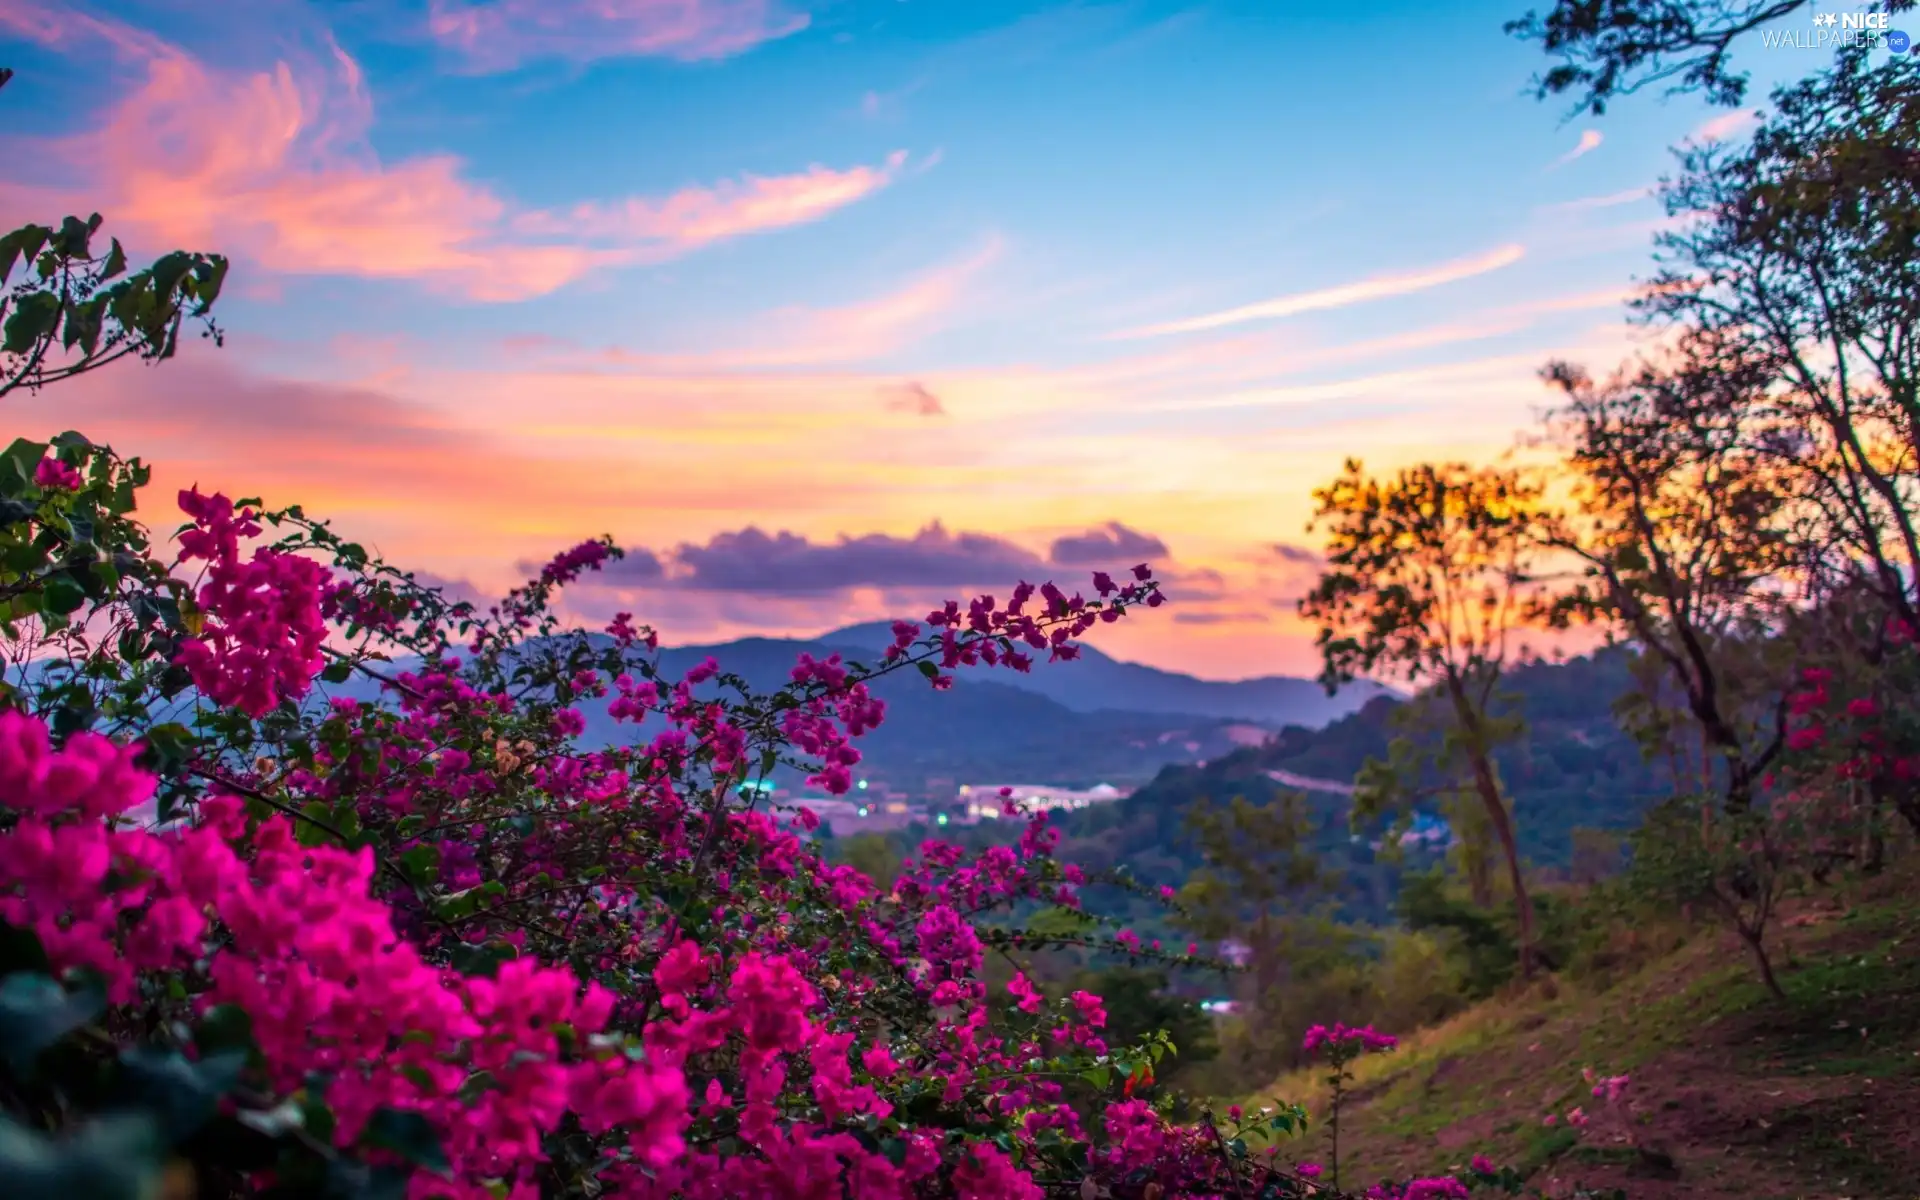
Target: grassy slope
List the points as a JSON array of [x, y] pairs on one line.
[[1749, 1098]]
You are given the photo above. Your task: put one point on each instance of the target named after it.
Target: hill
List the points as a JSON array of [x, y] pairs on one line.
[[988, 728], [1097, 681], [1573, 768], [1744, 1096]]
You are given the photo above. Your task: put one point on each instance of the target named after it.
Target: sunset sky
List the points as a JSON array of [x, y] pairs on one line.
[[830, 309]]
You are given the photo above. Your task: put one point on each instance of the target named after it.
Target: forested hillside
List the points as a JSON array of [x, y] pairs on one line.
[[1572, 768]]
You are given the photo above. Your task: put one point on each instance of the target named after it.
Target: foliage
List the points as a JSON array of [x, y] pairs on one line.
[[1341, 1045], [1430, 576], [1794, 266], [1610, 48], [66, 315], [1735, 864]]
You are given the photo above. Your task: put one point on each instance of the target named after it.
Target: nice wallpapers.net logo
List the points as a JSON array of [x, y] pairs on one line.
[[1835, 31]]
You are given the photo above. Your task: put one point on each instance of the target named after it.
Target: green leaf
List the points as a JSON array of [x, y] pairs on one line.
[[224, 1028], [116, 261], [421, 863], [83, 326], [476, 1084], [21, 951], [310, 832], [71, 242], [36, 1012], [115, 1158], [18, 464], [33, 318], [64, 595], [410, 1135], [182, 1094], [24, 242], [929, 670], [482, 960], [337, 673]]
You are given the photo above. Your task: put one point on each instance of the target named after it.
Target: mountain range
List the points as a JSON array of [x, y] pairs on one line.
[[1096, 681], [1093, 720]]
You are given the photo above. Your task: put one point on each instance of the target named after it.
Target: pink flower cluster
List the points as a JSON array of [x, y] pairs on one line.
[[1609, 1088], [53, 475], [263, 631], [316, 963], [1442, 1187], [1338, 1038]]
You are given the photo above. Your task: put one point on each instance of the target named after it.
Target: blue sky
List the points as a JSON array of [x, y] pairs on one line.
[[514, 273]]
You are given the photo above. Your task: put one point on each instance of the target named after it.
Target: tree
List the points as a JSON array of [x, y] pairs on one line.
[[1795, 275], [1429, 579], [1680, 531], [1610, 48], [1257, 869], [1425, 764]]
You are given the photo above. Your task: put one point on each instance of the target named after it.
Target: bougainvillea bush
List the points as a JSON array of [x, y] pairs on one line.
[[260, 938]]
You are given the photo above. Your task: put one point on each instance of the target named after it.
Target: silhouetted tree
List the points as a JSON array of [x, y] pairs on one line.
[[1429, 577], [1609, 48]]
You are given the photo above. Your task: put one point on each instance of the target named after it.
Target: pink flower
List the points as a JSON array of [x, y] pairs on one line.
[[261, 638], [567, 566], [1806, 737], [1308, 1170], [52, 475], [1346, 1039], [1025, 993]]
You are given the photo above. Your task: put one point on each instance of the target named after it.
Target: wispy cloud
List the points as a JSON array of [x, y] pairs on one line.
[[274, 167], [698, 215], [1590, 140], [501, 34], [1609, 200], [915, 397], [1725, 126], [1378, 287], [813, 337]]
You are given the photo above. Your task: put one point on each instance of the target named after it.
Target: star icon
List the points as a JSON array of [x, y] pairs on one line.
[[1828, 19]]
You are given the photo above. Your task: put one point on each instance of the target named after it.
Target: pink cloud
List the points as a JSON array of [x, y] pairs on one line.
[[806, 337], [1589, 141], [696, 216], [502, 34], [274, 168], [1724, 126]]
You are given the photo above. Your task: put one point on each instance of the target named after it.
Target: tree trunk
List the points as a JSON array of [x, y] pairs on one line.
[[1766, 964], [1489, 790], [1475, 856]]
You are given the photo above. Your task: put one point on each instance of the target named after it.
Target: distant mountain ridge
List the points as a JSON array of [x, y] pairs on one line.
[[1097, 681], [1075, 724]]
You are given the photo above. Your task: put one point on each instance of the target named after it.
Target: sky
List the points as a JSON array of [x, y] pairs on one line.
[[828, 310]]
